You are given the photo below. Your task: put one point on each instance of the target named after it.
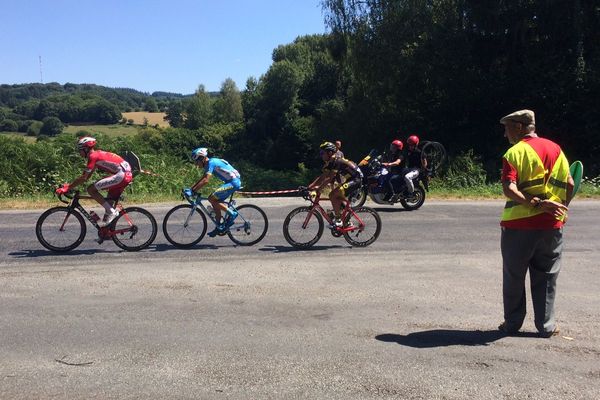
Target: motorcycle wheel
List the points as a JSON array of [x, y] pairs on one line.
[[358, 198], [414, 201]]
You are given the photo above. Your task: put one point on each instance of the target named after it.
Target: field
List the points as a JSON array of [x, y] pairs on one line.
[[110, 130], [28, 139], [153, 118]]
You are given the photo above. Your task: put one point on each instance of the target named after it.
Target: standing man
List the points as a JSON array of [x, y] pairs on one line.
[[538, 185], [414, 163]]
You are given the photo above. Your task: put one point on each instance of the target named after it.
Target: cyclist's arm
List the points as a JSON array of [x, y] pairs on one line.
[[201, 183], [327, 178]]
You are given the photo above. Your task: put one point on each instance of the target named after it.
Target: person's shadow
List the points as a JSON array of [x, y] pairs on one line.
[[446, 337]]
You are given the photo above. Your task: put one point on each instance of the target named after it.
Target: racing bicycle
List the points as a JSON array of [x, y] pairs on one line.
[[185, 225], [304, 226], [63, 228]]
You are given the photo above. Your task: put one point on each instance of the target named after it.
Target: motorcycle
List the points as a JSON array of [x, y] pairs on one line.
[[375, 179]]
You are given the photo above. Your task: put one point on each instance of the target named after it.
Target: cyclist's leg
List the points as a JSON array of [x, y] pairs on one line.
[[116, 182], [218, 197]]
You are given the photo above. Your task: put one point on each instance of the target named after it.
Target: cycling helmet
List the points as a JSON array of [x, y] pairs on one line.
[[328, 146], [86, 142], [397, 144], [413, 139], [199, 153]]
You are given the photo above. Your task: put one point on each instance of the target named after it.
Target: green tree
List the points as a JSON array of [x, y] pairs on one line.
[[51, 126], [8, 125], [228, 106], [174, 114], [198, 110], [150, 105]]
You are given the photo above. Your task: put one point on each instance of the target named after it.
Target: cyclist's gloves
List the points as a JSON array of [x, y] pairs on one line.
[[63, 189], [187, 192]]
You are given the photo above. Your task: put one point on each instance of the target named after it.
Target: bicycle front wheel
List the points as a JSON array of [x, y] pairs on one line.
[[134, 229], [303, 227], [60, 229], [366, 226], [250, 226], [184, 226]]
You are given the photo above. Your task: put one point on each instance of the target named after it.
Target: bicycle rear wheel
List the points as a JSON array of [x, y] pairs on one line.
[[250, 226], [303, 227], [367, 226], [184, 226], [135, 229], [60, 229]]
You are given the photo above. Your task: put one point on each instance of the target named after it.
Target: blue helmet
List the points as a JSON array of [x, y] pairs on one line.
[[198, 153]]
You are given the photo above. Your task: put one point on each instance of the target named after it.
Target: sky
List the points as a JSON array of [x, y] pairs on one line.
[[168, 45]]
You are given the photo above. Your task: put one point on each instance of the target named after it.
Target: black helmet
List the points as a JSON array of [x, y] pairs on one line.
[[328, 146]]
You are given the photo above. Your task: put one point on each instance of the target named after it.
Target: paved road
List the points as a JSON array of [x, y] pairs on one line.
[[413, 316]]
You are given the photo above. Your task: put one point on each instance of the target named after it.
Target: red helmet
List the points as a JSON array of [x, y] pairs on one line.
[[413, 139], [397, 144]]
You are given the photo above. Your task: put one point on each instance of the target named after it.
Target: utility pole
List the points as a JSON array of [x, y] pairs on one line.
[[41, 76]]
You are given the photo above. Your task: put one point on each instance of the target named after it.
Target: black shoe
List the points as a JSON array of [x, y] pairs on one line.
[[388, 196]]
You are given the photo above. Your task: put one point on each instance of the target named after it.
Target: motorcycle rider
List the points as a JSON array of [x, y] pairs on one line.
[[396, 159], [413, 163]]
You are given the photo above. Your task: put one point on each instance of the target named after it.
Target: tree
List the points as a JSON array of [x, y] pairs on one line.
[[174, 114], [228, 106], [198, 110], [150, 105], [8, 125], [51, 126]]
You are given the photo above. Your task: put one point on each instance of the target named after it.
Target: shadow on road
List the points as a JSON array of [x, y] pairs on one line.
[[389, 209], [169, 247], [44, 253], [287, 249], [446, 337]]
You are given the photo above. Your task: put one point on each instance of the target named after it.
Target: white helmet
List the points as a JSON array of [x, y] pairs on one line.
[[198, 153], [86, 142]]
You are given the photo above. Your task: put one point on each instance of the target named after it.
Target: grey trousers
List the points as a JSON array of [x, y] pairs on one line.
[[538, 251]]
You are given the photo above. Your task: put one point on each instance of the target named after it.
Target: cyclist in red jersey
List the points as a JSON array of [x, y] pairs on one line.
[[113, 164]]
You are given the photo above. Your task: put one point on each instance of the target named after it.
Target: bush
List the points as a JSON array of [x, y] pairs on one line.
[[8, 125], [51, 126], [34, 129], [464, 171]]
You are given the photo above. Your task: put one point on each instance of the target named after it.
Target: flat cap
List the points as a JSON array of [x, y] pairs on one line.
[[526, 117]]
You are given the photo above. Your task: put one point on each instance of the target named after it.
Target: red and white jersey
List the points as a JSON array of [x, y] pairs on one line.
[[107, 162]]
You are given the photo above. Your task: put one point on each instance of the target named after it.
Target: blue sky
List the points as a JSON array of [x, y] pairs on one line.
[[148, 45]]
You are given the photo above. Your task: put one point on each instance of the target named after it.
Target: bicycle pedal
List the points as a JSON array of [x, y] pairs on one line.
[[99, 240]]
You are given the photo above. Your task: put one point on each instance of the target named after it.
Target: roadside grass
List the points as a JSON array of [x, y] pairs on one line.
[[109, 130], [153, 118], [487, 192], [21, 135]]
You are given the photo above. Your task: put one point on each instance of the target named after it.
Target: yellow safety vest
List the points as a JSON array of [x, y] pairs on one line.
[[532, 180]]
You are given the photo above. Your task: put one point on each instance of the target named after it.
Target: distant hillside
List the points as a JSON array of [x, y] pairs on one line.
[[125, 99]]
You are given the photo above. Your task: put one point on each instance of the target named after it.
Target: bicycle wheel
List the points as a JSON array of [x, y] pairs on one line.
[[303, 227], [184, 226], [60, 229], [367, 226], [135, 229], [250, 226], [359, 197], [435, 154]]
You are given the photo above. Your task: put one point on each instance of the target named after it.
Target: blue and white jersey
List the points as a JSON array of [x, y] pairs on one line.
[[222, 170]]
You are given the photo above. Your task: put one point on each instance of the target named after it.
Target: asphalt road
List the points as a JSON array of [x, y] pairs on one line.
[[413, 316]]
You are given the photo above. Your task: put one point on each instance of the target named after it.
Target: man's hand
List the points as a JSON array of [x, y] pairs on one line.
[[63, 189], [552, 207]]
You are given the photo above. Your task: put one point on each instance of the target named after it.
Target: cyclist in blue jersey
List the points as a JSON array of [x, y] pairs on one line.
[[231, 182]]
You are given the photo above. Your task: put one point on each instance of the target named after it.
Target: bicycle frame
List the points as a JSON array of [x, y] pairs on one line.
[[198, 204], [104, 232], [347, 210]]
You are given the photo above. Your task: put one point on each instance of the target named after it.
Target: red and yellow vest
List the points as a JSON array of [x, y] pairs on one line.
[[535, 180]]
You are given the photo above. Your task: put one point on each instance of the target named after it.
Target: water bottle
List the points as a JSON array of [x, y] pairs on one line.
[[95, 216], [211, 212]]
